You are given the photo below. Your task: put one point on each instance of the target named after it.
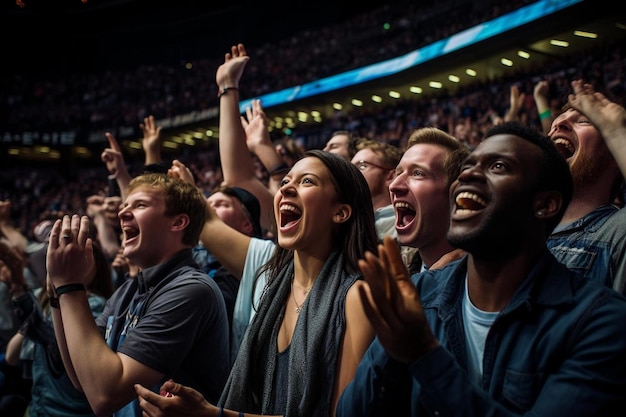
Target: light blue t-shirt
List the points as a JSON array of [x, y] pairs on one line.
[[476, 324], [385, 218], [259, 252]]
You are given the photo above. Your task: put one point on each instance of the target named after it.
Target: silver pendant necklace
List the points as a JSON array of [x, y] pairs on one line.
[[293, 295]]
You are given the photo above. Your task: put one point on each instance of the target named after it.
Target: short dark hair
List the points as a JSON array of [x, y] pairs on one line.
[[554, 175]]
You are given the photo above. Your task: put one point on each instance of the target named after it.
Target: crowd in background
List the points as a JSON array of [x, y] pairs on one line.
[[514, 185], [111, 99]]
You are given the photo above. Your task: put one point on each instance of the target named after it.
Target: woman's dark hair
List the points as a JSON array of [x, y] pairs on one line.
[[354, 236]]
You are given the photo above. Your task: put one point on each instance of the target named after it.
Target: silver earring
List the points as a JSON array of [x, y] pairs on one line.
[[540, 213]]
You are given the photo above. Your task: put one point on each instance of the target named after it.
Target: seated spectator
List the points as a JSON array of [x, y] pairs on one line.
[[505, 330], [590, 238], [169, 322], [307, 281]]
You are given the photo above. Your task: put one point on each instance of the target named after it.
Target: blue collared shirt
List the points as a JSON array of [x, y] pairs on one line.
[[594, 246], [558, 348]]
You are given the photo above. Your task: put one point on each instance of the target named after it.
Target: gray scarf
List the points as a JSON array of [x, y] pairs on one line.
[[313, 352]]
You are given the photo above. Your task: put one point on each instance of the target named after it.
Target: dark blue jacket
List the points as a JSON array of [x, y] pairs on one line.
[[557, 349]]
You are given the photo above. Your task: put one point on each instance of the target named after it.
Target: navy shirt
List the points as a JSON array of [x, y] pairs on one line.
[[172, 318]]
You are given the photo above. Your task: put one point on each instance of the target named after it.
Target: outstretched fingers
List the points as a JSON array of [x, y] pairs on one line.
[[393, 305], [383, 301]]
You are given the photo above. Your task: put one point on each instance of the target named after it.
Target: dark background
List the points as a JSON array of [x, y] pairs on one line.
[[48, 36]]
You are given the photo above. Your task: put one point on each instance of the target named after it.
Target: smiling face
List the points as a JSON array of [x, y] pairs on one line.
[[306, 207], [419, 193], [493, 197], [581, 144], [145, 226]]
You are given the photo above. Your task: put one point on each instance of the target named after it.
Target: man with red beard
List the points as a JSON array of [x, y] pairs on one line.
[[506, 330], [591, 134]]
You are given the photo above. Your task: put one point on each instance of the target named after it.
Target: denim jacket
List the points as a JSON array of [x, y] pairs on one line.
[[594, 246], [557, 349]]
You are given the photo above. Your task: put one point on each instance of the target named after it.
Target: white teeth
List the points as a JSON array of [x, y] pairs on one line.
[[289, 207], [564, 142], [401, 204], [470, 196]]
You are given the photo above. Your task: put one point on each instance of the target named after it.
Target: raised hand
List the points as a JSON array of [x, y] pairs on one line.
[[70, 251], [112, 157], [229, 73], [256, 125], [541, 92], [393, 306], [605, 115], [151, 142], [180, 171]]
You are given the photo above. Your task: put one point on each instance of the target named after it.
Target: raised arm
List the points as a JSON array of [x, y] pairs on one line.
[[542, 101], [516, 102], [258, 140], [608, 117], [236, 160], [106, 377]]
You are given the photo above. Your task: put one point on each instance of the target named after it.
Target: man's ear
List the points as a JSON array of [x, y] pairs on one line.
[[181, 221], [342, 214], [547, 204]]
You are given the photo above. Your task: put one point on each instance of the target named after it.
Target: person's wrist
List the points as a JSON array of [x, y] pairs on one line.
[[545, 114], [223, 90], [67, 288]]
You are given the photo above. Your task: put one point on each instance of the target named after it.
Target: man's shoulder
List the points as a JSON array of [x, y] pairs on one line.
[[430, 282], [614, 226], [617, 217], [190, 275]]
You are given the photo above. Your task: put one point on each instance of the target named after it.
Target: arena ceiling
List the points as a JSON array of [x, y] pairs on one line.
[[85, 36]]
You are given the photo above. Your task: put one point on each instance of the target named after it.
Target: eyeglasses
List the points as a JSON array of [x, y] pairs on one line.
[[362, 165]]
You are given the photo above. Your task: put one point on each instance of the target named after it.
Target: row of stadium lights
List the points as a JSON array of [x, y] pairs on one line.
[[287, 123]]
